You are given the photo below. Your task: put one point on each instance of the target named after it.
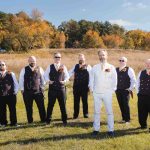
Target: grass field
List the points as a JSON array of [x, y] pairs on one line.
[[77, 134]]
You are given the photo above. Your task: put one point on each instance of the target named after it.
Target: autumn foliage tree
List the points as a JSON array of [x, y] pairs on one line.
[[137, 37], [92, 40], [21, 32], [112, 41]]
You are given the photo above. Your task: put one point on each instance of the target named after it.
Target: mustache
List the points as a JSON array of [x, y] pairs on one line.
[[81, 61], [2, 69], [31, 64]]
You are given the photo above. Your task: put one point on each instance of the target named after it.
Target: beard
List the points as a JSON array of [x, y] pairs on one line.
[[32, 65], [103, 60], [2, 69], [81, 62]]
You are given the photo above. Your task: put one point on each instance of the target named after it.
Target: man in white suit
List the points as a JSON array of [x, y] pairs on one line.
[[103, 82]]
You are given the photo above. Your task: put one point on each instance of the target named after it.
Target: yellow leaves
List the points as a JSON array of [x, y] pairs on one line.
[[137, 36], [92, 40], [59, 40], [112, 41]]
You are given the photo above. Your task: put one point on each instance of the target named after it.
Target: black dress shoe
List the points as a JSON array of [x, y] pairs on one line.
[[94, 133], [65, 123], [3, 125], [86, 116], [48, 122], [75, 117], [143, 127], [111, 134], [15, 125]]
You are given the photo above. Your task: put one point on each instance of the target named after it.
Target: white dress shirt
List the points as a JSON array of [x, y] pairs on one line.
[[46, 74], [16, 85], [132, 78], [103, 80], [138, 82], [21, 78]]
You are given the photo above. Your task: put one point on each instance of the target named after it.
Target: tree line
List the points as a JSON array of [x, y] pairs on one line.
[[21, 32]]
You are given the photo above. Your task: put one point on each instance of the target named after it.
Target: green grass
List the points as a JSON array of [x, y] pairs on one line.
[[77, 135]]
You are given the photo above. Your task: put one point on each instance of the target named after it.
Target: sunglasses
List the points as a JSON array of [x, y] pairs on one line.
[[57, 57], [121, 61], [2, 64]]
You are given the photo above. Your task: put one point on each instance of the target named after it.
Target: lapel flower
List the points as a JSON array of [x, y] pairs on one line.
[[107, 70], [124, 69], [83, 67], [61, 68], [36, 69], [9, 72]]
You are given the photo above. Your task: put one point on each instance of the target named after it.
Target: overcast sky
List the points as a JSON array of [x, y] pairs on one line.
[[132, 14]]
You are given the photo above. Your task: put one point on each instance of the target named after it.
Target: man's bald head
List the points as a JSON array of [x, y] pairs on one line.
[[32, 61]]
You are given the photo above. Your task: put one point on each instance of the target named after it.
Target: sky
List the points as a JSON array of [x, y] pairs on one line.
[[131, 14]]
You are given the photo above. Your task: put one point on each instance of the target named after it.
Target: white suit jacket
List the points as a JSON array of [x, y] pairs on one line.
[[103, 80]]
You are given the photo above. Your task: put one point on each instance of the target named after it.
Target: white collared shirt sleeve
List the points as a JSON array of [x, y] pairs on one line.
[[91, 81], [132, 78], [138, 82], [46, 74], [71, 72], [21, 79], [89, 68], [66, 74], [114, 79], [16, 85]]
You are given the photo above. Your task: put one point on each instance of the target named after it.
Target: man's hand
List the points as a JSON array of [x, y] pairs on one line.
[[51, 82], [62, 82], [130, 92], [90, 90]]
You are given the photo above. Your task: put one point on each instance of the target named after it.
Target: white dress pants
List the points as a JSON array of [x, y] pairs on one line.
[[107, 99]]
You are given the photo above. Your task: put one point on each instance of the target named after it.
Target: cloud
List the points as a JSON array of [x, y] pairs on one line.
[[121, 22], [83, 9], [141, 5], [133, 6], [127, 4]]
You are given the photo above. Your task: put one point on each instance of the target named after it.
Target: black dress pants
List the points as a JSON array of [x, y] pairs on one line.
[[83, 94], [61, 96], [9, 101], [39, 100], [143, 109], [123, 97]]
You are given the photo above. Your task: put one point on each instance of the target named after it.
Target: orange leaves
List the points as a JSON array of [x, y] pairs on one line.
[[112, 41], [92, 40]]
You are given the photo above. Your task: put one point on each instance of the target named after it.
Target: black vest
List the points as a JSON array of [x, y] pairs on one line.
[[32, 80], [81, 78], [144, 88], [56, 76], [6, 85], [123, 78]]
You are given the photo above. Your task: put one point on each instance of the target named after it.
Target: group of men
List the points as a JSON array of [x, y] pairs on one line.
[[102, 80]]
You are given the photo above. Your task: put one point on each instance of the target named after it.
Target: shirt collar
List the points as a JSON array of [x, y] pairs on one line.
[[58, 65], [4, 72]]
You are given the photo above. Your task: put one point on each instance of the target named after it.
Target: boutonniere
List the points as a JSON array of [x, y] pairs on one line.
[[61, 68], [107, 70], [148, 72], [124, 69], [83, 67], [36, 69], [8, 72]]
